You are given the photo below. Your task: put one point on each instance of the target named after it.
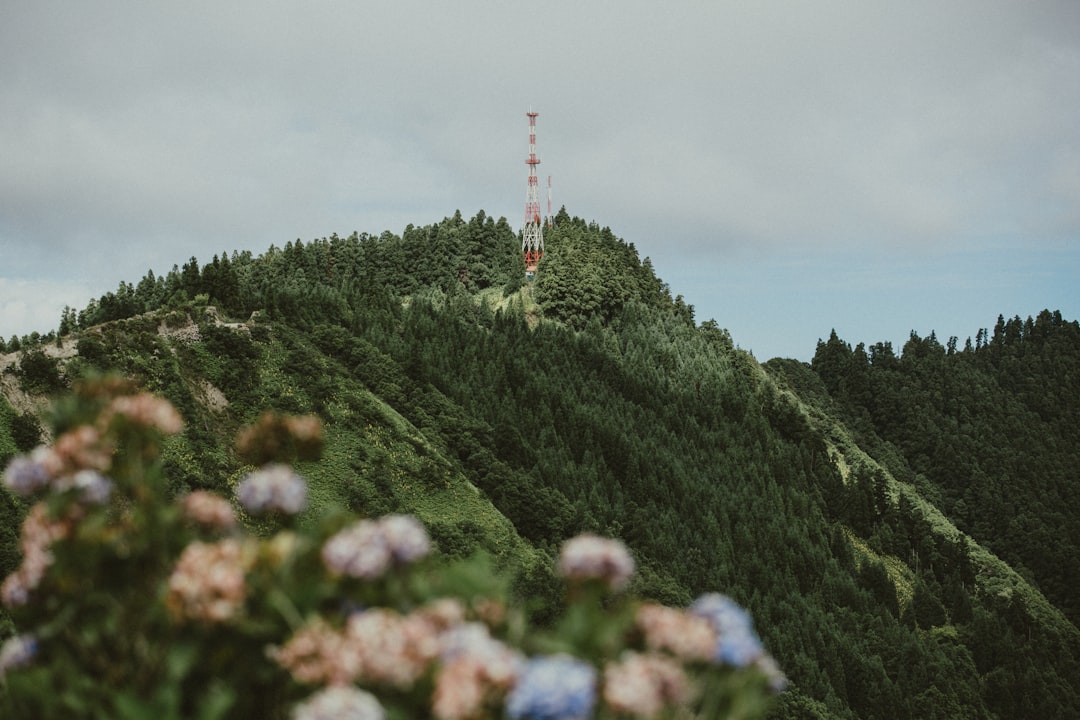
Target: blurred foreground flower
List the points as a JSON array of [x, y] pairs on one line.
[[208, 582], [280, 438], [273, 488], [590, 557], [557, 687], [16, 652], [83, 448], [89, 486], [39, 532], [148, 411], [643, 685], [476, 671], [368, 548], [686, 636], [339, 703], [26, 474], [737, 644], [211, 511]]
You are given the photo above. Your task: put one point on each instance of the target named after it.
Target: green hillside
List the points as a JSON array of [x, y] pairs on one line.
[[511, 416]]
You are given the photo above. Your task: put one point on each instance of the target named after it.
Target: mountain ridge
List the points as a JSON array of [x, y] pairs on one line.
[[509, 416]]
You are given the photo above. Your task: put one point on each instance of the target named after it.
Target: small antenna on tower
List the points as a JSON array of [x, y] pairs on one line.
[[549, 216], [532, 233]]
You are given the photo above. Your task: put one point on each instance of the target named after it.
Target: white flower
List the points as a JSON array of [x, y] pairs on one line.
[[339, 703], [273, 488], [590, 557]]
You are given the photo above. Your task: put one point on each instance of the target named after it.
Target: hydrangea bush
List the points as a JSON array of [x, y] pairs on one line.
[[133, 603]]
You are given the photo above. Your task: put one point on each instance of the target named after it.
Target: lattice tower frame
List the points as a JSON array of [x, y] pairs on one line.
[[532, 232]]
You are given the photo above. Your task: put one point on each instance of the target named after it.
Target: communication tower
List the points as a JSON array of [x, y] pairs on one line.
[[532, 234]]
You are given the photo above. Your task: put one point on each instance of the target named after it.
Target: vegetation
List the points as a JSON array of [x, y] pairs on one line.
[[509, 417], [136, 603]]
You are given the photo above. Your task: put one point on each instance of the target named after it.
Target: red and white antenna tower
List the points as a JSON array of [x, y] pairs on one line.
[[532, 234]]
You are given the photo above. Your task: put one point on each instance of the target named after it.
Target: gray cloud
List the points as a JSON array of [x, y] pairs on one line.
[[137, 135]]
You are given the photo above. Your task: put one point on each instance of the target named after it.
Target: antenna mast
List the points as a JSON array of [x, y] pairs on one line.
[[532, 233], [549, 215]]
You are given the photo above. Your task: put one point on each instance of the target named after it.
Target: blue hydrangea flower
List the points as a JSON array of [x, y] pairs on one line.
[[26, 474], [17, 652], [737, 643], [557, 687]]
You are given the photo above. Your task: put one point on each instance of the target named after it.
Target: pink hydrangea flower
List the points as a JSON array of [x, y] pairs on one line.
[[317, 654], [208, 581], [643, 685], [83, 448], [149, 411], [686, 636], [39, 532], [209, 510], [392, 649]]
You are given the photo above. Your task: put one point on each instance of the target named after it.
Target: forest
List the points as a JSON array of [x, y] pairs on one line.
[[897, 521]]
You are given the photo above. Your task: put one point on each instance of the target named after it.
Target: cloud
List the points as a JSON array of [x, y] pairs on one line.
[[35, 306], [133, 136]]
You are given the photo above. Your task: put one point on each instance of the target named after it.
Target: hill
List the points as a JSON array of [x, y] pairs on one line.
[[510, 417], [990, 432]]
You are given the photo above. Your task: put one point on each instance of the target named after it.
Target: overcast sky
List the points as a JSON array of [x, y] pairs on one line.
[[790, 167]]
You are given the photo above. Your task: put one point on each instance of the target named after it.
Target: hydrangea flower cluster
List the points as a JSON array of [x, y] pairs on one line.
[[377, 646], [74, 464], [279, 438], [89, 486], [340, 703], [368, 548], [556, 687], [736, 644], [148, 411], [83, 447], [590, 557], [273, 488], [392, 649], [211, 511], [39, 532], [686, 636], [476, 670], [644, 684], [27, 474], [17, 652], [208, 582]]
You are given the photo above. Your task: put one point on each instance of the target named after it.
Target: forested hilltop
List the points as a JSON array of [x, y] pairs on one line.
[[897, 524], [989, 432]]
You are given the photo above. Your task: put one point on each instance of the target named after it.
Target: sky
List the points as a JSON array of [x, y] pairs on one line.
[[790, 168]]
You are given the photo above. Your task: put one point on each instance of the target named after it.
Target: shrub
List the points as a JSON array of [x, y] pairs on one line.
[[129, 603], [38, 373], [25, 431]]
